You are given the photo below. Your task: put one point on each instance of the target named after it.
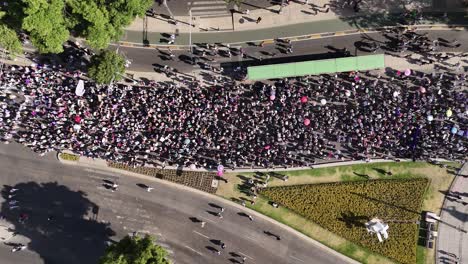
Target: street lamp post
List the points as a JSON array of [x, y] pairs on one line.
[[190, 31], [190, 36]]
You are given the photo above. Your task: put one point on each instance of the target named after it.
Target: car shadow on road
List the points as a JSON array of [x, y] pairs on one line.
[[60, 223]]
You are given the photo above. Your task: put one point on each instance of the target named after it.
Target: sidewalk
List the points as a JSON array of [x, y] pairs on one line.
[[453, 226], [295, 20]]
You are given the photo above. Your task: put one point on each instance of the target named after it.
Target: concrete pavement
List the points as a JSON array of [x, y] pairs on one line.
[[452, 242], [86, 215], [137, 34], [295, 19]]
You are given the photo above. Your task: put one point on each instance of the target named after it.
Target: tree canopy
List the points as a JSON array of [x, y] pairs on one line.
[[49, 23], [135, 250], [106, 67], [8, 38]]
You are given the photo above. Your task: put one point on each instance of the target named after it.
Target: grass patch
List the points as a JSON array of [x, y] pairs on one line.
[[69, 157], [440, 179], [421, 255]]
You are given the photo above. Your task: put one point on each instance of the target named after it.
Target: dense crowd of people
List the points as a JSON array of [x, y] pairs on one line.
[[290, 122]]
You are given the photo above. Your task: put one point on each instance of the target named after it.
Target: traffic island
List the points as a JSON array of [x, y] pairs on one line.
[[68, 158], [201, 180], [440, 176]]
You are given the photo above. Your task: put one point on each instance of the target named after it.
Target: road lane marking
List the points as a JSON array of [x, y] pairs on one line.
[[298, 259], [206, 219], [246, 255], [251, 238], [200, 234], [208, 2], [194, 250]]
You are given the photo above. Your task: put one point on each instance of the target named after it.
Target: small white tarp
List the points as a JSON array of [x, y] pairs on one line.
[[80, 90]]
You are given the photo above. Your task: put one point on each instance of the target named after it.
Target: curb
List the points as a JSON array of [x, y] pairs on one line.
[[456, 27]]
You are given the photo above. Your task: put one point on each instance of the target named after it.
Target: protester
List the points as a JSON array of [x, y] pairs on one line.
[[288, 122]]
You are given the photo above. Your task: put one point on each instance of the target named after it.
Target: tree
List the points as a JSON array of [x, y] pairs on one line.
[[106, 67], [8, 39], [135, 250], [46, 25], [49, 22]]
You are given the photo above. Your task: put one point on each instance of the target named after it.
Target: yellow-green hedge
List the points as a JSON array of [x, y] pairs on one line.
[[69, 157], [343, 208]]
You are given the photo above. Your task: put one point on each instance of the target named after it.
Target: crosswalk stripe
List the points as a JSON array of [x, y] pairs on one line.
[[211, 13], [208, 2], [208, 8], [194, 9]]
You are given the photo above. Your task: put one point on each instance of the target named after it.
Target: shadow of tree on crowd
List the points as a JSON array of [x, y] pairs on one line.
[[61, 224]]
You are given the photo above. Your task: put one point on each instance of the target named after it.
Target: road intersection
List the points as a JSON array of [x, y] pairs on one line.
[[86, 215]]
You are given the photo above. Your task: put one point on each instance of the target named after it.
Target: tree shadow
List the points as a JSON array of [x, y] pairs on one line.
[[352, 220], [61, 224], [384, 202]]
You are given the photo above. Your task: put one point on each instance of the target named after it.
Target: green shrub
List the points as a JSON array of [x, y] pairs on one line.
[[343, 208], [69, 157]]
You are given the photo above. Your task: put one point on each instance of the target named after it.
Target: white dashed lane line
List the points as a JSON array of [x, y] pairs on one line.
[[200, 234], [194, 250], [298, 259]]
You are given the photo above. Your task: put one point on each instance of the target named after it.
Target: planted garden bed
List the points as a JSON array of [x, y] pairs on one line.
[[343, 208], [196, 179]]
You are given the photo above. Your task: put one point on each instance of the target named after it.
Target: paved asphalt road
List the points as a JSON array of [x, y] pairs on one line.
[[82, 209], [145, 59]]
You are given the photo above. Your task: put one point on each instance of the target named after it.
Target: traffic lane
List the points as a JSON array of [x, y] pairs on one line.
[[238, 232], [149, 59], [165, 211], [326, 47], [117, 207], [144, 58]]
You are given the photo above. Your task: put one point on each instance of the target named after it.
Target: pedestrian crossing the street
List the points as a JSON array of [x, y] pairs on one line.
[[208, 8]]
